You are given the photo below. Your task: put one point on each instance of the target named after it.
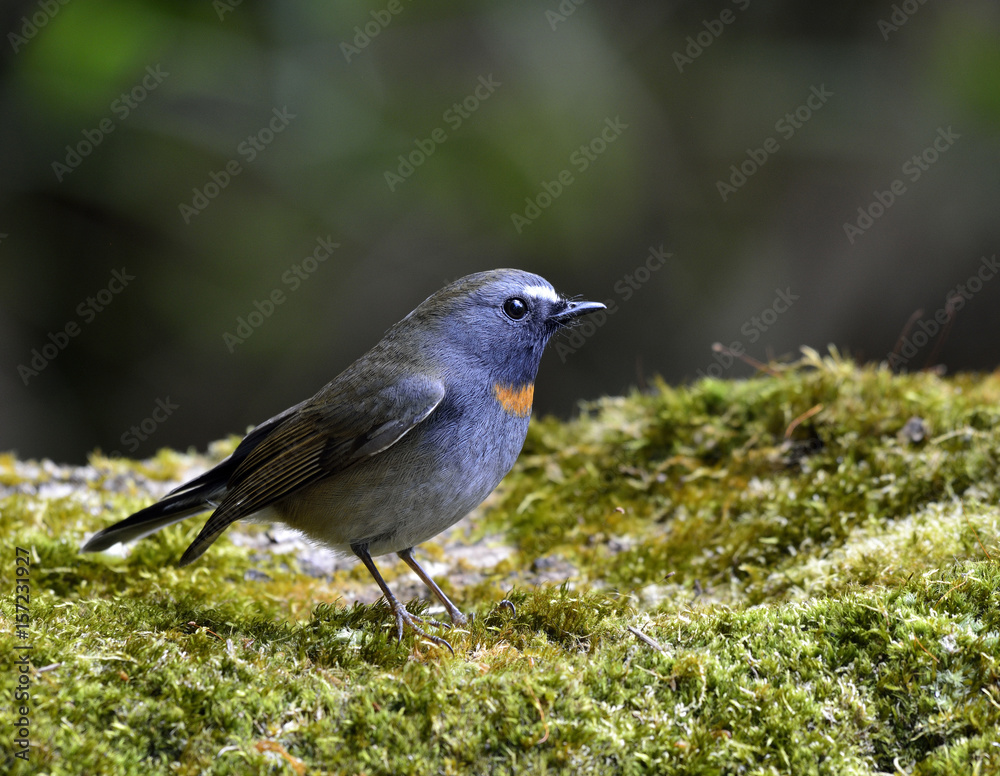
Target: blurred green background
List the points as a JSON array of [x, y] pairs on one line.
[[166, 167]]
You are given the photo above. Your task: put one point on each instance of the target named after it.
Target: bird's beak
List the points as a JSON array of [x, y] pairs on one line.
[[574, 310]]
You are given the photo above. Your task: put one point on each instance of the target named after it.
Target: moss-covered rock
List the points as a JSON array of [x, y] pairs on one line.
[[798, 573]]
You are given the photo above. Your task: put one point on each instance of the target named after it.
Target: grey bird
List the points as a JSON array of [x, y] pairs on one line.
[[400, 445]]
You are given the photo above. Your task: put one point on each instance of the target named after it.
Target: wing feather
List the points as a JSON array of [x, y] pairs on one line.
[[329, 433]]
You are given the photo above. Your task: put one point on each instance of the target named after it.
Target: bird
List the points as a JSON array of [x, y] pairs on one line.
[[399, 446]]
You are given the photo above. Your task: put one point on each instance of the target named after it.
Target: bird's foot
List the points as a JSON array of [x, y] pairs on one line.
[[403, 617], [458, 619]]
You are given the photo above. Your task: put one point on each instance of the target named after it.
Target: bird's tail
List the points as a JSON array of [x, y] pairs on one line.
[[172, 509], [201, 494]]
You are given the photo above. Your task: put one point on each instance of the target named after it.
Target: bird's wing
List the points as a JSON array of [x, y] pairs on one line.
[[329, 433], [217, 478]]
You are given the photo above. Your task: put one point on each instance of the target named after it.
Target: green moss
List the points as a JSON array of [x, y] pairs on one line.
[[704, 482], [702, 585]]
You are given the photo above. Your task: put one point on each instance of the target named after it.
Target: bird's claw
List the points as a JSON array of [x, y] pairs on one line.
[[403, 617], [505, 604]]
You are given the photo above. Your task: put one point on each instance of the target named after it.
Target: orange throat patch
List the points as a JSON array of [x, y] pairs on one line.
[[515, 401]]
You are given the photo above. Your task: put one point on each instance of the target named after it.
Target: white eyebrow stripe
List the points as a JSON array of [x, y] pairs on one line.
[[542, 292]]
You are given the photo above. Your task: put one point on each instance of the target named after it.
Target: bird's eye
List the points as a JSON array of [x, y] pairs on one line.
[[515, 308]]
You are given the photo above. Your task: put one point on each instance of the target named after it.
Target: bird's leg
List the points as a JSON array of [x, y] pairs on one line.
[[402, 616], [457, 618]]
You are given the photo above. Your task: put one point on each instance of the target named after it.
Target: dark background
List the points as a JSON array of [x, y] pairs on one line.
[[221, 71]]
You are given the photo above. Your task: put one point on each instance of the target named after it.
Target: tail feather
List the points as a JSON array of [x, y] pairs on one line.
[[147, 521], [201, 494], [209, 533]]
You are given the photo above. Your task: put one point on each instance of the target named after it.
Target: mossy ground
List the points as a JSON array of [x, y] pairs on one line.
[[789, 574]]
